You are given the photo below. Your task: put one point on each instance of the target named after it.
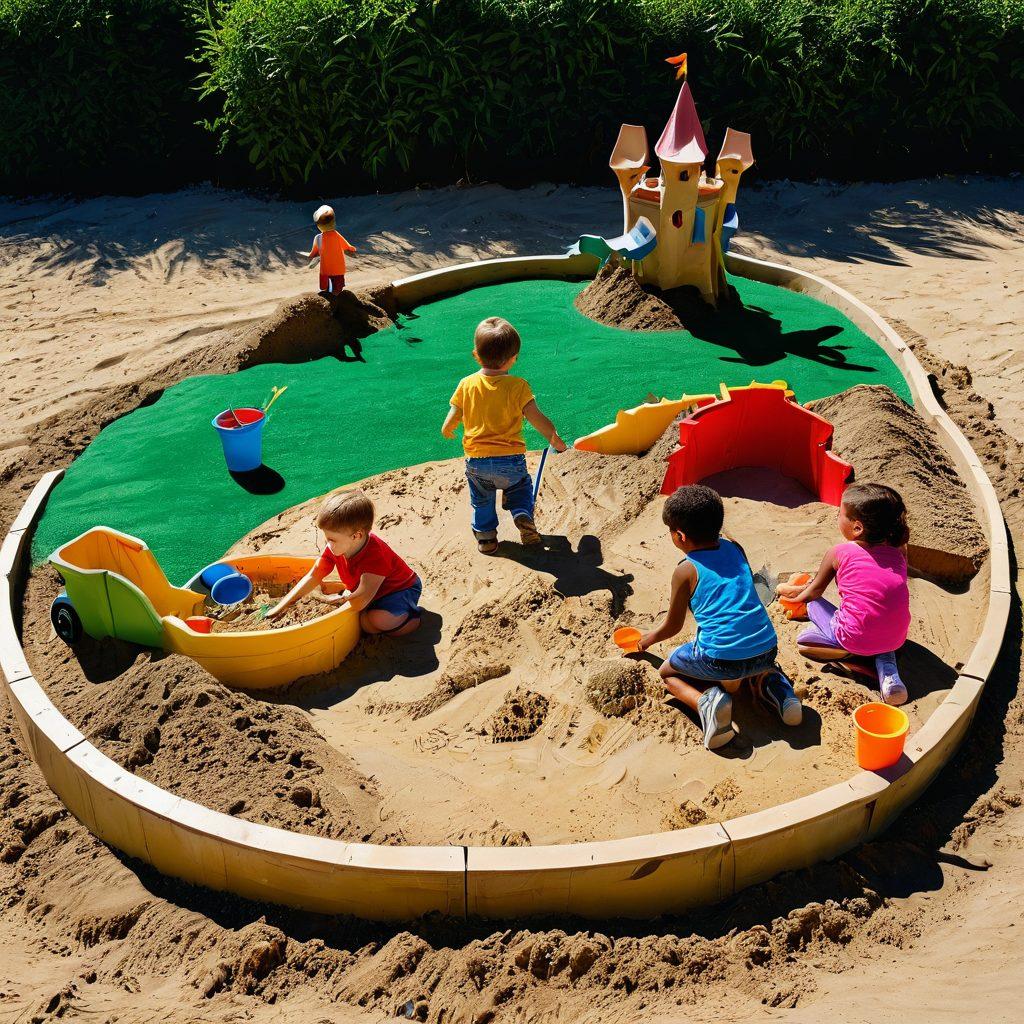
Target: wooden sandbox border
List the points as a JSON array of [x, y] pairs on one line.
[[642, 876]]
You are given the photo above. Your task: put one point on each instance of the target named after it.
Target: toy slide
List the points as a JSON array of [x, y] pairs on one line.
[[636, 429], [635, 244], [760, 425], [114, 587]]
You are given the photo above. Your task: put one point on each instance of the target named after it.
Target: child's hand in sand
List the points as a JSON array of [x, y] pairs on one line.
[[788, 590], [646, 641], [338, 598]]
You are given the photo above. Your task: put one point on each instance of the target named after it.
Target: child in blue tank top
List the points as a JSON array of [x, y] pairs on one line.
[[735, 638]]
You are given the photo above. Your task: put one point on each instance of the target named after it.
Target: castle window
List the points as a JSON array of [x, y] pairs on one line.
[[684, 175], [677, 219]]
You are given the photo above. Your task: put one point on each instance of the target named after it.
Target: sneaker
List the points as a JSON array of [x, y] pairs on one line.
[[527, 530], [486, 545], [775, 692], [715, 710], [894, 691]]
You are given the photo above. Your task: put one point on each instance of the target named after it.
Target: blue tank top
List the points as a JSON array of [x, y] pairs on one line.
[[731, 621]]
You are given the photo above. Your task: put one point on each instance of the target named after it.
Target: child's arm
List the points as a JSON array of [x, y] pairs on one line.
[[451, 421], [684, 579], [314, 252], [369, 584], [308, 582], [825, 575], [346, 245], [543, 425]]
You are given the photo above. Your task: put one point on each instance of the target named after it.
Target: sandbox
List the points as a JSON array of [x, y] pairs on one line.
[[702, 844]]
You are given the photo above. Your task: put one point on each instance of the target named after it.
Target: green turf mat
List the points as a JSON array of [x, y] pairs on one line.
[[158, 473]]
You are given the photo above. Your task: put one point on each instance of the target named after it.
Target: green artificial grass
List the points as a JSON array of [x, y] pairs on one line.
[[158, 473]]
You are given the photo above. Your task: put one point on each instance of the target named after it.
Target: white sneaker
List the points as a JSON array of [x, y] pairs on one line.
[[715, 710], [893, 690]]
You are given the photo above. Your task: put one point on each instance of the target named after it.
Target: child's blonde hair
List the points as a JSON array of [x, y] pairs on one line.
[[324, 218], [495, 342], [346, 510]]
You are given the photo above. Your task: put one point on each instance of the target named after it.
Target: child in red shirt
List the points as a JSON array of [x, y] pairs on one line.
[[379, 583], [331, 247]]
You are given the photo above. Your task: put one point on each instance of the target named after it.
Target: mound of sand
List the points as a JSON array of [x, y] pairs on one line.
[[616, 298], [519, 717], [888, 442]]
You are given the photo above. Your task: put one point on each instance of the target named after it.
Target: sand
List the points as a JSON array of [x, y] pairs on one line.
[[509, 714], [918, 926]]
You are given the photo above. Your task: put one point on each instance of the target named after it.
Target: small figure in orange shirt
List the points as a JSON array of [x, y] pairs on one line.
[[331, 247]]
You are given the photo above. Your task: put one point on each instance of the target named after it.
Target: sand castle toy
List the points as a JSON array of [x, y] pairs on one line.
[[687, 219], [760, 425], [114, 587]]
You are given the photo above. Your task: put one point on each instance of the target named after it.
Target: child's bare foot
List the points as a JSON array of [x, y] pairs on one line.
[[528, 533]]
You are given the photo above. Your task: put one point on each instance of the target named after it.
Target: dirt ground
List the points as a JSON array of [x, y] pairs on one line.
[[918, 926]]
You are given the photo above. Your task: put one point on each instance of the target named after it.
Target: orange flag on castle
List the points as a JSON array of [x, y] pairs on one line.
[[680, 64]]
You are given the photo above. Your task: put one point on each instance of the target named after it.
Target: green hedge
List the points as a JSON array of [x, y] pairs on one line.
[[386, 93], [96, 93]]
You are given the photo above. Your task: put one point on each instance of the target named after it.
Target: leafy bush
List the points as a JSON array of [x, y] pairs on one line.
[[94, 93], [385, 93], [428, 89]]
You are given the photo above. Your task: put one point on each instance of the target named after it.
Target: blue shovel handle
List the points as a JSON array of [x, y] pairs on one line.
[[540, 473]]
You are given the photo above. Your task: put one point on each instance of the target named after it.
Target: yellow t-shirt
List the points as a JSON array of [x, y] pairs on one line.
[[492, 414]]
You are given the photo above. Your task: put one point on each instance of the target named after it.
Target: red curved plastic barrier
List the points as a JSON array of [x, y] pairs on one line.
[[758, 427]]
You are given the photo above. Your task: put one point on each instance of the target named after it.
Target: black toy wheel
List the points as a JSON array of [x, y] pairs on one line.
[[66, 622]]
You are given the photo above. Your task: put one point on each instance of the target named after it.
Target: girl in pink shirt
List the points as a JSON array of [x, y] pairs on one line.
[[870, 570]]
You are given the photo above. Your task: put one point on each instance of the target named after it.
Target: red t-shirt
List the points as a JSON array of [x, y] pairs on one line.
[[375, 558]]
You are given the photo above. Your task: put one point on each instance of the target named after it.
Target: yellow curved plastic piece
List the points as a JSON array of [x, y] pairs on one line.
[[261, 659], [636, 429]]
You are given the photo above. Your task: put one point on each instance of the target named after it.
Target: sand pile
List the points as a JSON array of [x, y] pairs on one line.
[[888, 442], [519, 717], [616, 298], [249, 615]]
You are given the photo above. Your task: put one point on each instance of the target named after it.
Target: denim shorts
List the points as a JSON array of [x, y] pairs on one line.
[[400, 602], [690, 660]]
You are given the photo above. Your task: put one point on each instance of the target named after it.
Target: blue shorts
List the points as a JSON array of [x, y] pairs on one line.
[[690, 660], [400, 602]]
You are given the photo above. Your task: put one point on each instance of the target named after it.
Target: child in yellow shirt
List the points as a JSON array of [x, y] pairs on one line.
[[491, 406]]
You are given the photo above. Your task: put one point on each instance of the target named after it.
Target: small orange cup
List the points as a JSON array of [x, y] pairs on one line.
[[199, 623], [793, 609], [881, 733], [627, 639]]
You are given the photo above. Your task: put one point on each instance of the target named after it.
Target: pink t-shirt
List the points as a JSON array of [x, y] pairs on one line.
[[874, 611]]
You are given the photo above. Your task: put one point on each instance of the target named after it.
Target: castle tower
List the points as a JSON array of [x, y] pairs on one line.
[[690, 210]]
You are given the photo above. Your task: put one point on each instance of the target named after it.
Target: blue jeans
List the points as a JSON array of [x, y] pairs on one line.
[[495, 473], [692, 661]]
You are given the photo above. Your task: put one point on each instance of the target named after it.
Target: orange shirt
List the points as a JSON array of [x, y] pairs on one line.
[[331, 247]]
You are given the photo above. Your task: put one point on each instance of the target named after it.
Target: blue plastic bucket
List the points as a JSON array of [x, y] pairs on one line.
[[231, 589], [243, 444], [214, 572]]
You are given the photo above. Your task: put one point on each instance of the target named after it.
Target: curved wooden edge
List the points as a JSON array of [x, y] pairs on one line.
[[642, 876]]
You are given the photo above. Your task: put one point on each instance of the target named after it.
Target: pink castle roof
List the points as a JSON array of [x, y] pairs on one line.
[[682, 141]]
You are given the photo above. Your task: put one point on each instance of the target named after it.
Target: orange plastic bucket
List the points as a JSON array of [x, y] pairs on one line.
[[881, 733], [628, 639]]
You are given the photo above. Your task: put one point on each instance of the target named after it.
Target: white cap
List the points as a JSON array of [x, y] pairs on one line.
[[323, 213]]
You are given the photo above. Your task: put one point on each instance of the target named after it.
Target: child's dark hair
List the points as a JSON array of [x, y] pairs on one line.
[[697, 511], [343, 510], [880, 510], [495, 342]]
